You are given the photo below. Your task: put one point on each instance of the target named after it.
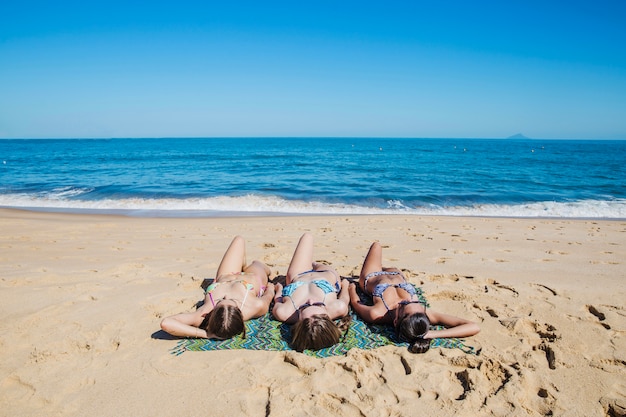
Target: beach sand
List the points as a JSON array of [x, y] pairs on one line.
[[81, 298]]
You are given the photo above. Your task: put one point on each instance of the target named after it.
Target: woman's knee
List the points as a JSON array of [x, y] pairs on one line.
[[376, 246]]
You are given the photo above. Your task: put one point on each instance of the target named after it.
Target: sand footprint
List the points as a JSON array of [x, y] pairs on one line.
[[21, 389], [449, 277], [496, 284], [614, 403], [545, 288], [485, 379], [551, 252], [599, 315], [300, 362], [449, 295], [487, 309], [548, 335], [541, 336], [550, 355], [464, 378], [39, 356], [368, 371], [406, 366], [497, 375], [596, 312], [366, 367]]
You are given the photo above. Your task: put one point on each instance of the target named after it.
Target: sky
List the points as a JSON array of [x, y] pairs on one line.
[[427, 69]]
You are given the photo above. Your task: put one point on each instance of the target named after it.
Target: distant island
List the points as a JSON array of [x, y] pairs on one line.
[[518, 136]]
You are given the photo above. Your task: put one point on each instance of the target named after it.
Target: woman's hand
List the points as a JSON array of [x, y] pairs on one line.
[[278, 292], [354, 297]]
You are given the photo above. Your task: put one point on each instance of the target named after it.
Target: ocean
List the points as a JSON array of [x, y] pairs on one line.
[[196, 177]]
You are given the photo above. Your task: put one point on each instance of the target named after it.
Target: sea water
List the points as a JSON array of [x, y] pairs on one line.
[[188, 177]]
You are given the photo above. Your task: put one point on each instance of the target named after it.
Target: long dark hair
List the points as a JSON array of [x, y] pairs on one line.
[[318, 332], [412, 329], [224, 321]]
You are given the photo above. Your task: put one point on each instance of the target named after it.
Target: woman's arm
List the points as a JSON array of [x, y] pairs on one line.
[[370, 314], [455, 326], [340, 307], [265, 301], [184, 325], [281, 311], [344, 293]]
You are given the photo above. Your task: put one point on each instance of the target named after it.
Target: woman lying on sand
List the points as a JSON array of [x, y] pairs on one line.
[[239, 293], [311, 300], [395, 302]]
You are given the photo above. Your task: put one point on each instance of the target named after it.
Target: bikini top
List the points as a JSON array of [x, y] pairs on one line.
[[380, 288], [322, 284], [214, 285]]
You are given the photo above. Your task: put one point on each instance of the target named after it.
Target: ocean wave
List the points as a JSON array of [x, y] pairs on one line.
[[62, 193], [61, 201]]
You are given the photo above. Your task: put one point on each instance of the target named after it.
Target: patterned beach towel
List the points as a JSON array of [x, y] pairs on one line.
[[266, 333]]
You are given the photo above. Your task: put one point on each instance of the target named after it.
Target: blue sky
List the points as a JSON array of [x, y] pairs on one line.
[[313, 68]]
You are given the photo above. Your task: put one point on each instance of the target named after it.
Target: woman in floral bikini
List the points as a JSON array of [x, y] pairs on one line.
[[240, 292]]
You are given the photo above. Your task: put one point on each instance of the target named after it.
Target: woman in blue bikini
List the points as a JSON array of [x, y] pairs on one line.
[[395, 302], [240, 292], [311, 300]]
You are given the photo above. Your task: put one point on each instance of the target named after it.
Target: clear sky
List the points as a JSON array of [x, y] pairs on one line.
[[491, 69]]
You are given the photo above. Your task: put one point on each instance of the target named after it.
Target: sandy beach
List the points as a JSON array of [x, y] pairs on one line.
[[81, 298]]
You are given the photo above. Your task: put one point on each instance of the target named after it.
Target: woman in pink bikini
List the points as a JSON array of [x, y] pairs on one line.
[[239, 292], [395, 302]]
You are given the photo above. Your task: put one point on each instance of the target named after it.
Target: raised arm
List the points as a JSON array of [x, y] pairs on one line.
[[281, 311], [184, 325], [264, 301], [344, 293], [455, 326], [370, 314], [340, 307]]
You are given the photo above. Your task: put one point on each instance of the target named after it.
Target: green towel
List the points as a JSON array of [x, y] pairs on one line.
[[266, 333]]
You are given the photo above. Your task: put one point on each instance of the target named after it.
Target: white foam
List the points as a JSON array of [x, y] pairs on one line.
[[63, 193], [268, 205]]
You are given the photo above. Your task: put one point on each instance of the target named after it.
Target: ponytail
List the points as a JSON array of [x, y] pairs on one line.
[[412, 329], [419, 346]]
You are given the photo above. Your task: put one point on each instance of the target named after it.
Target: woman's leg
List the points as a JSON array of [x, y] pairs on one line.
[[234, 259], [302, 259], [261, 272], [373, 262], [335, 279]]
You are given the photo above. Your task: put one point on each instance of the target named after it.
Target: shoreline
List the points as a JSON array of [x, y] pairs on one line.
[[225, 214], [82, 296]]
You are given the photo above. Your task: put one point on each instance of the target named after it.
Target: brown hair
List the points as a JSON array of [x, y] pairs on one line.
[[317, 332], [412, 329], [225, 321]]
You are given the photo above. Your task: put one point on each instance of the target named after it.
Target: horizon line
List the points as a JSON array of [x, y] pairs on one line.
[[513, 137]]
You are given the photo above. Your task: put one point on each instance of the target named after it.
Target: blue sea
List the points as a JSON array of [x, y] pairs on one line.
[[195, 177]]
